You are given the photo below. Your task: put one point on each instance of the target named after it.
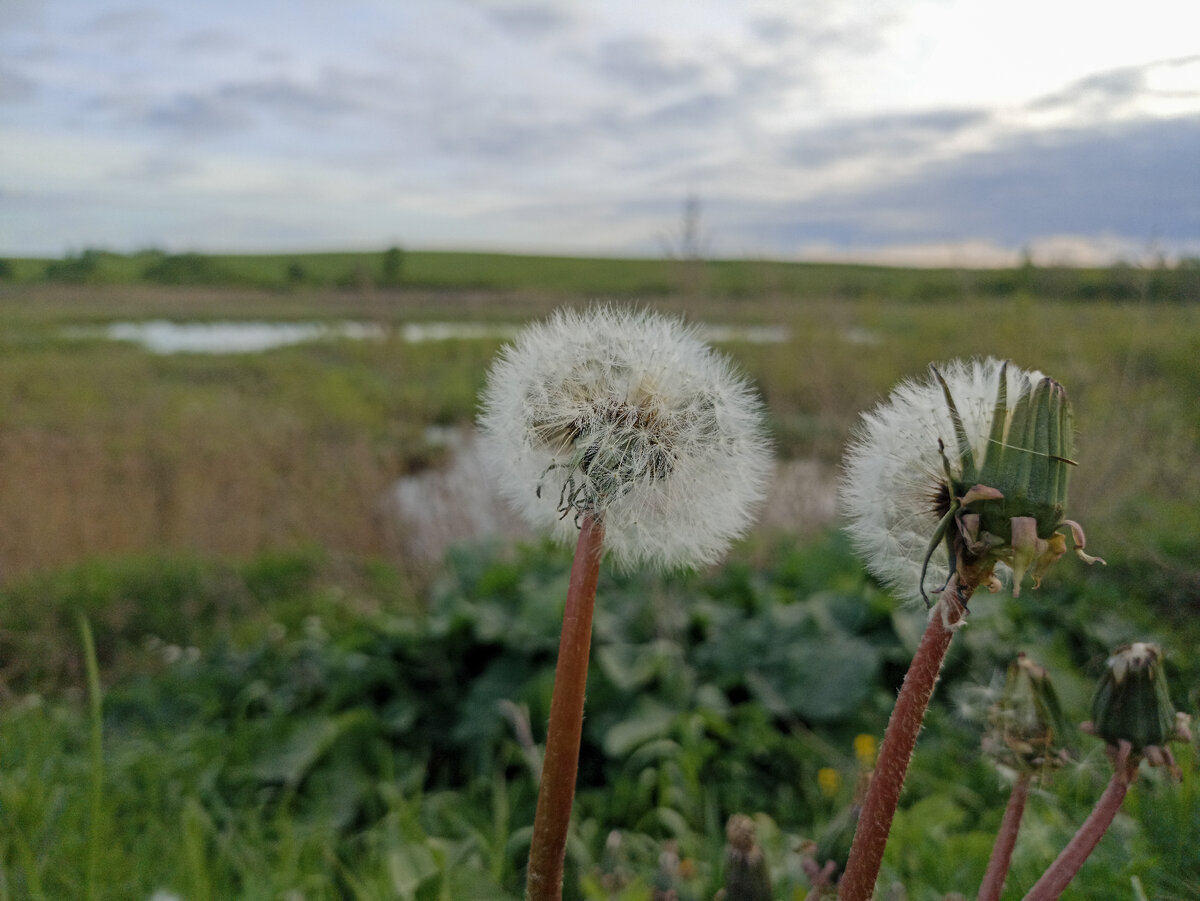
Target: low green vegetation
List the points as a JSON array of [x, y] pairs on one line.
[[294, 708], [285, 726]]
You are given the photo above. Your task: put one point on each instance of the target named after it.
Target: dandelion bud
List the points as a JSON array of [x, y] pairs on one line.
[[746, 874], [960, 472], [1132, 702], [1026, 727], [628, 417]]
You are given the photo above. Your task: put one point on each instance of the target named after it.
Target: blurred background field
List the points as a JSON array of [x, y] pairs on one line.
[[304, 695]]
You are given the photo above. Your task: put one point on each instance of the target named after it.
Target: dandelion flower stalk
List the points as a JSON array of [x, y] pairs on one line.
[[899, 740], [627, 434], [1006, 840], [1068, 863], [1026, 733], [557, 790], [963, 473]]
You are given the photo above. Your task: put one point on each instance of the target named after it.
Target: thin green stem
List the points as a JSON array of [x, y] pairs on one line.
[[556, 793], [97, 757], [883, 794], [1080, 847], [1006, 840]]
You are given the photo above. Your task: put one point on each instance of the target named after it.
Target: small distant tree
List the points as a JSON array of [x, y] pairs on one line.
[[393, 267], [7, 272], [184, 269], [296, 273], [75, 268]]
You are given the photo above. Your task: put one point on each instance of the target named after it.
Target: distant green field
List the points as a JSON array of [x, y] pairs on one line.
[[641, 279]]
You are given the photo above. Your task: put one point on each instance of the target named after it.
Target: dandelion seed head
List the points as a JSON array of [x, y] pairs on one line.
[[630, 416], [892, 490]]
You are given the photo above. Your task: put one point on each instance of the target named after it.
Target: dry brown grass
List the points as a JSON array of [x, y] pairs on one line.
[[108, 450]]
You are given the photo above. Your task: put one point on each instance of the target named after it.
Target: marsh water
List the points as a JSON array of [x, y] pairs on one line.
[[163, 336]]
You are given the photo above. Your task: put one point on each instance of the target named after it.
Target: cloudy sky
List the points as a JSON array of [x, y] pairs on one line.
[[935, 131]]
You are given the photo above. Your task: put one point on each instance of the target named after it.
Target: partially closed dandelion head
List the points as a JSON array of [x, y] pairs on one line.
[[1027, 731], [628, 417], [964, 470]]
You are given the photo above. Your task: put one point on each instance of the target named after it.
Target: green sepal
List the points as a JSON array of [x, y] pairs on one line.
[[965, 454]]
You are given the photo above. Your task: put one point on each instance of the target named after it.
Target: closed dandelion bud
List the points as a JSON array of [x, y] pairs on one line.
[[746, 874], [630, 418], [961, 472], [1132, 702], [1026, 726]]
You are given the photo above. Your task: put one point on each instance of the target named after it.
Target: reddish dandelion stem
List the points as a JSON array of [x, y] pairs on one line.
[[556, 793], [883, 794], [1068, 863], [1006, 840]]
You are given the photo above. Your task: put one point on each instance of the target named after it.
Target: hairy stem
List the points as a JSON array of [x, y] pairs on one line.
[[883, 794], [1067, 864], [1006, 840], [556, 793]]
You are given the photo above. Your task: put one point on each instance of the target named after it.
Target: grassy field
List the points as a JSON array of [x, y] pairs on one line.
[[294, 705]]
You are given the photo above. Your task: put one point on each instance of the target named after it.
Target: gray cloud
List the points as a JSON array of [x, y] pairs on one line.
[[894, 134], [532, 20], [644, 65], [120, 22], [15, 87], [1136, 180], [236, 106], [333, 94], [195, 116], [209, 40], [1102, 92], [698, 110]]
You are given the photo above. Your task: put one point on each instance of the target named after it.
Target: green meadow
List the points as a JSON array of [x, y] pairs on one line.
[[289, 703]]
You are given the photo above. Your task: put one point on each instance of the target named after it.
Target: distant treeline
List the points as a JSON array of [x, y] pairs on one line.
[[396, 269]]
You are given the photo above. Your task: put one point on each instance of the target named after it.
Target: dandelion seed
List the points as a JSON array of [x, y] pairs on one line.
[[978, 455], [629, 417]]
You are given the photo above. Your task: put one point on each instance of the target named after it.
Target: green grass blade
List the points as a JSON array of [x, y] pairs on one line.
[[96, 751]]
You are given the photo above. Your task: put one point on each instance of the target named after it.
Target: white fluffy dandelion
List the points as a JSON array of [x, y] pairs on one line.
[[629, 417], [894, 488]]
